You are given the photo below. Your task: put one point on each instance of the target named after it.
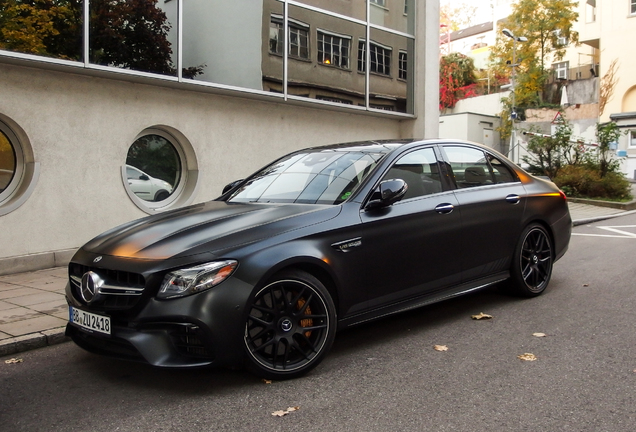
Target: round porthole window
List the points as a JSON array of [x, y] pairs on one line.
[[18, 171], [159, 169]]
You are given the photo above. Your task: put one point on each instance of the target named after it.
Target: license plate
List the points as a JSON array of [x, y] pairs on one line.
[[89, 321]]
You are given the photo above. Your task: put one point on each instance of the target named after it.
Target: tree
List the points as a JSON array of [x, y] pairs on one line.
[[456, 79], [42, 27], [607, 134], [546, 24], [129, 34], [457, 16]]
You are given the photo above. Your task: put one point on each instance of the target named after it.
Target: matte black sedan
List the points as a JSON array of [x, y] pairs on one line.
[[320, 240]]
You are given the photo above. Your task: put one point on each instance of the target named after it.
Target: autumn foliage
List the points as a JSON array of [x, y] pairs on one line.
[[456, 79]]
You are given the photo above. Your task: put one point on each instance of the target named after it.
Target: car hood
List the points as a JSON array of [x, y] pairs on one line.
[[206, 228]]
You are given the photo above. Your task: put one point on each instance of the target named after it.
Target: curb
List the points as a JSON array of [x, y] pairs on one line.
[[600, 218], [32, 341]]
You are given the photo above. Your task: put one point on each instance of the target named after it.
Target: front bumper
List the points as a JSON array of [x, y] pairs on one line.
[[198, 330]]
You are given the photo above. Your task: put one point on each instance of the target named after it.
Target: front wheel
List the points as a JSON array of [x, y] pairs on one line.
[[290, 326], [532, 262]]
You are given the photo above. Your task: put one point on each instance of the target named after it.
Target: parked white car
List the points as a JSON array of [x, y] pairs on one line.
[[147, 187]]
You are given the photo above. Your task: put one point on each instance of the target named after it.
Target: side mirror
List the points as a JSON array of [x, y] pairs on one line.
[[387, 193], [144, 177], [230, 186]]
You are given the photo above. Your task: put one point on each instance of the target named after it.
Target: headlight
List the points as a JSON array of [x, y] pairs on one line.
[[192, 280]]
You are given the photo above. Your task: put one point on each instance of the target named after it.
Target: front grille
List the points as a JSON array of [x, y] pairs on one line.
[[121, 290]]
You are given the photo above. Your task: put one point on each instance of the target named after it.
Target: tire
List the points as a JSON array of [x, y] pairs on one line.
[[290, 326], [532, 262], [161, 195]]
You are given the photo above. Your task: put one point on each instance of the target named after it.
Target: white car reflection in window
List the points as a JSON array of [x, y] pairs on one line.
[[146, 187]]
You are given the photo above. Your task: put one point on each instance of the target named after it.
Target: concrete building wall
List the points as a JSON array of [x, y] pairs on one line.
[[77, 126]]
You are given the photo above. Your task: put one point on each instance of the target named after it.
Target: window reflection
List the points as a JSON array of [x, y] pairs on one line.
[[7, 162], [238, 44], [50, 28], [153, 168]]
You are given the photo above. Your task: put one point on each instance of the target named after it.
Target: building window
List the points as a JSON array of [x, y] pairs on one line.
[[298, 37], [18, 172], [632, 138], [380, 58], [632, 7], [334, 49], [561, 70], [379, 2], [561, 41], [157, 175], [402, 65]]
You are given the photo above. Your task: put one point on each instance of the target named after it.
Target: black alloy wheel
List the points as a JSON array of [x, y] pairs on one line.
[[290, 326], [532, 263]]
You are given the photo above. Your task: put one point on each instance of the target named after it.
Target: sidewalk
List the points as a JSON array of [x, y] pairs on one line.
[[33, 311]]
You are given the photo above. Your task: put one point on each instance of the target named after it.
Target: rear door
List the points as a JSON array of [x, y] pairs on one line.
[[491, 201]]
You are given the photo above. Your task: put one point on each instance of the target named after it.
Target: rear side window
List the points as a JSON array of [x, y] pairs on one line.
[[473, 167]]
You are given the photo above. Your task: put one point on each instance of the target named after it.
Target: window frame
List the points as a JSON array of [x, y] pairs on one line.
[[183, 192], [631, 138], [320, 45], [293, 26], [374, 47], [632, 7], [26, 172], [403, 59], [561, 68]]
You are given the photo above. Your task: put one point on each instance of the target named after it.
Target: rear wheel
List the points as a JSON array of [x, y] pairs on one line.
[[290, 326], [532, 262]]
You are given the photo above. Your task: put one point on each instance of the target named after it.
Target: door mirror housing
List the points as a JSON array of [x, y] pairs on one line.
[[387, 193], [230, 186]]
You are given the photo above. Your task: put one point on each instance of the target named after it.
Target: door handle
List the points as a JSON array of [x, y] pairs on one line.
[[513, 198], [444, 208]]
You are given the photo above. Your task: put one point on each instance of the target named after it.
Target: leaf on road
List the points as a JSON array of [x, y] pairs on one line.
[[539, 334], [527, 357], [13, 361], [440, 348], [282, 413], [481, 316], [586, 285], [266, 381]]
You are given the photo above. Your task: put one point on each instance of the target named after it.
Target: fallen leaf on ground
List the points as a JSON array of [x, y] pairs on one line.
[[481, 316], [266, 381], [13, 360], [440, 348], [539, 334], [282, 413], [527, 357], [586, 285]]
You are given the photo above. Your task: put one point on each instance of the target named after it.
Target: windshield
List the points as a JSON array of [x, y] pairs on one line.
[[327, 177]]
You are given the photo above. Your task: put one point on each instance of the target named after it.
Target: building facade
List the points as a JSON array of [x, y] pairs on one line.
[[100, 124], [609, 27]]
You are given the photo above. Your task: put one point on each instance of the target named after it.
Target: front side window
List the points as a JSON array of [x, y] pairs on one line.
[[420, 171], [380, 58], [309, 178], [334, 49]]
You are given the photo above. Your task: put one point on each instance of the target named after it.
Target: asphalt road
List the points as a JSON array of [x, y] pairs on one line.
[[386, 376]]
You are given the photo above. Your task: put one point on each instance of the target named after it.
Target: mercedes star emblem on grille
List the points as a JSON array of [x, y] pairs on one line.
[[91, 283], [98, 259]]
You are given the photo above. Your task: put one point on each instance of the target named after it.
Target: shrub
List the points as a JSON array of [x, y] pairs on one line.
[[584, 181]]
